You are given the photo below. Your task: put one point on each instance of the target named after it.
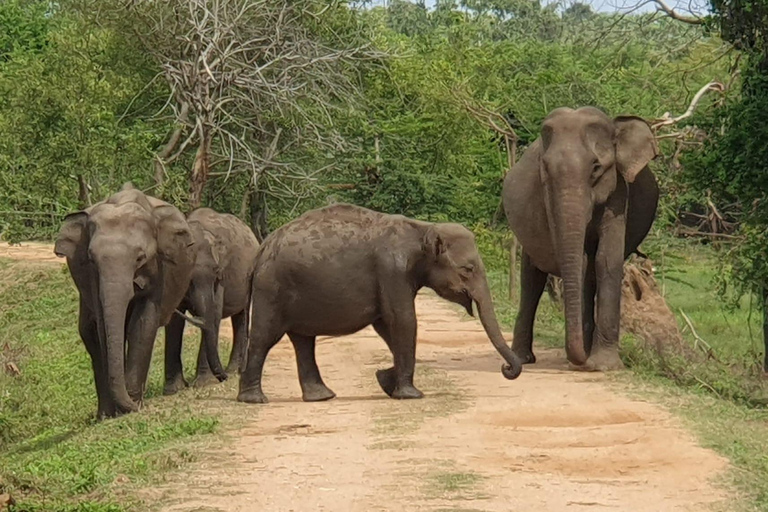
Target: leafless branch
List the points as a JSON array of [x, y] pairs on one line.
[[691, 20], [668, 120]]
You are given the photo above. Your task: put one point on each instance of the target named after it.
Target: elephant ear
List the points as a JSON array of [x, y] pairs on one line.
[[174, 238], [71, 234], [433, 242], [635, 146], [219, 252]]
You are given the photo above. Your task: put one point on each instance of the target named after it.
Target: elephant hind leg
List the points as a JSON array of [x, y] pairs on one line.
[[266, 331], [532, 283], [313, 389]]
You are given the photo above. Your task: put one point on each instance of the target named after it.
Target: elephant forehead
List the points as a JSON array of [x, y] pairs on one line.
[[127, 214]]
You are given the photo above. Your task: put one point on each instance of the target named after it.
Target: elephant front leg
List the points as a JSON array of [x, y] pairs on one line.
[[142, 330], [532, 282], [609, 270], [240, 343], [90, 335], [174, 369], [399, 332]]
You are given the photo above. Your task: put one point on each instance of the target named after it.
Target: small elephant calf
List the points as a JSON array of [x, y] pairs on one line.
[[338, 269], [220, 288]]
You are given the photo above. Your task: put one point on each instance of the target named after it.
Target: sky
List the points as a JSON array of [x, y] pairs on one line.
[[684, 6]]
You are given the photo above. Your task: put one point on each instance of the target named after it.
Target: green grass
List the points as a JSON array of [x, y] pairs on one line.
[[723, 399], [55, 456]]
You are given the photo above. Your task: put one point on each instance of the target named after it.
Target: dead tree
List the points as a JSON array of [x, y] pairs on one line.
[[247, 76]]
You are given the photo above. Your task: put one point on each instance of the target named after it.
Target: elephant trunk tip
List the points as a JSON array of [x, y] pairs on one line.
[[511, 371], [576, 356]]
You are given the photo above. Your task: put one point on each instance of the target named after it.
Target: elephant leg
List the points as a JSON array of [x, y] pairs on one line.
[[89, 333], [266, 331], [398, 329], [210, 335], [532, 282], [313, 389], [609, 270], [240, 343], [142, 330], [588, 304], [174, 369]]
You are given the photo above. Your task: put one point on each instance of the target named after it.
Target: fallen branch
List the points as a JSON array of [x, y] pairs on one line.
[[698, 339]]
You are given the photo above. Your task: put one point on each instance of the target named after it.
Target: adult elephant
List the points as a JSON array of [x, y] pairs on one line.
[[220, 288], [131, 258], [338, 269], [580, 201]]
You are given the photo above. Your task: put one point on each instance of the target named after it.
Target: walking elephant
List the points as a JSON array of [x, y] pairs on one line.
[[220, 288], [338, 269], [580, 201], [131, 259]]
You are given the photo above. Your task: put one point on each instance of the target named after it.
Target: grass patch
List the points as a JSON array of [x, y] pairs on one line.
[[56, 457], [452, 485]]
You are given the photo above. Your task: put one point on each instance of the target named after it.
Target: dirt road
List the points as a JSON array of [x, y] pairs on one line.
[[553, 440]]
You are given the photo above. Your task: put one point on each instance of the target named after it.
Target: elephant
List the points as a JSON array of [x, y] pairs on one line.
[[220, 288], [131, 258], [340, 268], [580, 201]]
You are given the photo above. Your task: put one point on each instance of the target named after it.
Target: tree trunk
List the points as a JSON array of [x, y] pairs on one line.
[[200, 170], [161, 158]]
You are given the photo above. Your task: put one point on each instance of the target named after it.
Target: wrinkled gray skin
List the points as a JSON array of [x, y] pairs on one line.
[[131, 258], [580, 200], [338, 269], [220, 288]]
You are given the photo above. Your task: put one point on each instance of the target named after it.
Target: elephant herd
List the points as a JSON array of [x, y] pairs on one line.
[[580, 200]]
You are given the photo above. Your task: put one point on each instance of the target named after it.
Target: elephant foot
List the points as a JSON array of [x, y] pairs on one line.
[[205, 379], [525, 356], [233, 368], [605, 360], [318, 392], [175, 385], [407, 393], [387, 380], [252, 396]]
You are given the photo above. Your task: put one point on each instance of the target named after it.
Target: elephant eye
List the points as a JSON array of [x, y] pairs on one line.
[[468, 268]]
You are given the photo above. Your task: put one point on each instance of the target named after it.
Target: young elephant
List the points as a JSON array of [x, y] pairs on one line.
[[338, 269], [220, 288], [131, 259], [580, 200]]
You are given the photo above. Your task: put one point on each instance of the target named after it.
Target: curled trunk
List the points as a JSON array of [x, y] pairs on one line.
[[484, 302], [114, 298]]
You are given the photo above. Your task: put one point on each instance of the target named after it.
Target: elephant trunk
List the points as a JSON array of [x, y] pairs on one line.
[[205, 304], [570, 230], [482, 297], [114, 297]]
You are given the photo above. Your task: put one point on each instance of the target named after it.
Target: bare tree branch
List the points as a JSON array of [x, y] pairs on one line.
[[691, 20], [668, 120]]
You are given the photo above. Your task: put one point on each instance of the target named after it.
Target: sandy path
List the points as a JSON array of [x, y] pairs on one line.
[[553, 440]]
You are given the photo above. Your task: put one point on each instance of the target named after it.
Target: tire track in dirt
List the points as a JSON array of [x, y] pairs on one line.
[[553, 440]]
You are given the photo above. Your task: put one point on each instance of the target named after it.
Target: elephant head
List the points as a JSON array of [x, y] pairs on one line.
[[116, 249], [455, 271], [205, 293], [585, 157]]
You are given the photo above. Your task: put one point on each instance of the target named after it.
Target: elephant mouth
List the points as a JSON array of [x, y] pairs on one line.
[[466, 301]]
